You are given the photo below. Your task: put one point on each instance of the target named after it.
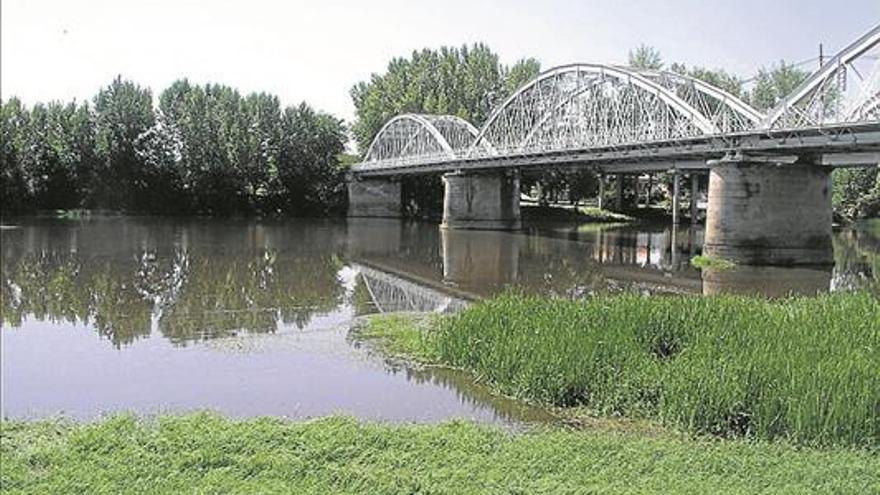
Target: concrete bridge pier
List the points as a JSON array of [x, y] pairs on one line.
[[481, 200], [618, 199], [676, 196], [374, 197], [763, 213], [695, 193]]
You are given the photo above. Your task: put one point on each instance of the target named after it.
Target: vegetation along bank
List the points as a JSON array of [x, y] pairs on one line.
[[802, 370]]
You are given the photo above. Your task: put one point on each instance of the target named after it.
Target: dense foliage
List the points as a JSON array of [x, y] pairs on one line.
[[800, 369], [205, 149], [208, 454], [856, 192]]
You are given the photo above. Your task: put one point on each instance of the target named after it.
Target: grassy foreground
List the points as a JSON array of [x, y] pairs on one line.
[[803, 370], [208, 454]]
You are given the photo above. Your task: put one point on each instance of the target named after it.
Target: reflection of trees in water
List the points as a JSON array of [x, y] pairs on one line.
[[66, 288], [225, 295], [192, 292], [856, 260], [559, 267], [560, 274]]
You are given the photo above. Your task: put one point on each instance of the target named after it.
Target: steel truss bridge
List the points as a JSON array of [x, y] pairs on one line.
[[621, 119]]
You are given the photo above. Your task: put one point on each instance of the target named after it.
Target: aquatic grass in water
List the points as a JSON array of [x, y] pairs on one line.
[[712, 262], [803, 369]]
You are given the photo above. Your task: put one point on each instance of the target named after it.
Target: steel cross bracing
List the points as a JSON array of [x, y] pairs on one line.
[[618, 117]]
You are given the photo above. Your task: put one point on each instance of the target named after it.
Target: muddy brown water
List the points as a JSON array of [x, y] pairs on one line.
[[249, 317]]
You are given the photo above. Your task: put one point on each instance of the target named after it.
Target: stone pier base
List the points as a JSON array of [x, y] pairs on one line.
[[768, 214], [374, 198], [487, 201]]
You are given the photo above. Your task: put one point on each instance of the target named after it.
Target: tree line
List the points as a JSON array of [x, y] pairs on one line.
[[207, 149], [204, 149]]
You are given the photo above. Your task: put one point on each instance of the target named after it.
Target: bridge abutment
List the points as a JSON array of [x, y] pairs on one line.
[[372, 197], [481, 200], [768, 214]]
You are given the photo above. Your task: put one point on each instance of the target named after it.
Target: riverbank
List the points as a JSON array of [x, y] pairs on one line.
[[801, 370], [204, 453], [584, 214]]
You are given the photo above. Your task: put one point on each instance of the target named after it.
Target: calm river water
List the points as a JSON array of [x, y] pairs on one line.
[[252, 317]]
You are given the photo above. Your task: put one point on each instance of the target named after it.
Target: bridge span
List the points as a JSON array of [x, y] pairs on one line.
[[769, 173]]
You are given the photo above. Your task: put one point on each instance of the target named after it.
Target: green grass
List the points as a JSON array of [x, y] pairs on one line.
[[574, 214], [399, 335], [208, 454], [601, 215], [712, 262], [802, 370]]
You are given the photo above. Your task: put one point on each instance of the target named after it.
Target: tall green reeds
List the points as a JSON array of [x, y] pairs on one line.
[[803, 369]]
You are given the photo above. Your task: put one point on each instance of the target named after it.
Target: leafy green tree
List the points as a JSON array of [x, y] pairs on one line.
[[48, 155], [14, 195], [48, 160], [123, 114], [645, 57], [856, 192], [519, 74], [719, 78], [207, 149], [82, 150], [259, 144], [206, 132], [311, 178], [774, 84], [163, 191]]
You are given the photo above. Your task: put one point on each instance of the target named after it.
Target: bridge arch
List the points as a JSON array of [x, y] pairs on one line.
[[728, 112], [421, 136], [586, 105]]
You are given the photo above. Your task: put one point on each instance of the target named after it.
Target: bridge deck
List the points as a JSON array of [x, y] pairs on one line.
[[833, 145]]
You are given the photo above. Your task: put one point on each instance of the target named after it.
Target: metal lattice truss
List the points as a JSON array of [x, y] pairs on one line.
[[726, 112], [574, 106], [846, 89], [421, 137], [581, 107]]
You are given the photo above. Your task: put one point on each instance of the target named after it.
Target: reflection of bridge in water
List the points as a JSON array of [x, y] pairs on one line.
[[390, 291], [420, 267]]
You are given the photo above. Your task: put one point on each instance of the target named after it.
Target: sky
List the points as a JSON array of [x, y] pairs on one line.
[[315, 51]]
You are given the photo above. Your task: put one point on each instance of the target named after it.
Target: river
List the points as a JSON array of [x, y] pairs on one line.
[[252, 317]]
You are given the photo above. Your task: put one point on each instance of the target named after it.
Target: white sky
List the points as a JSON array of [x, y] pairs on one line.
[[315, 51]]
